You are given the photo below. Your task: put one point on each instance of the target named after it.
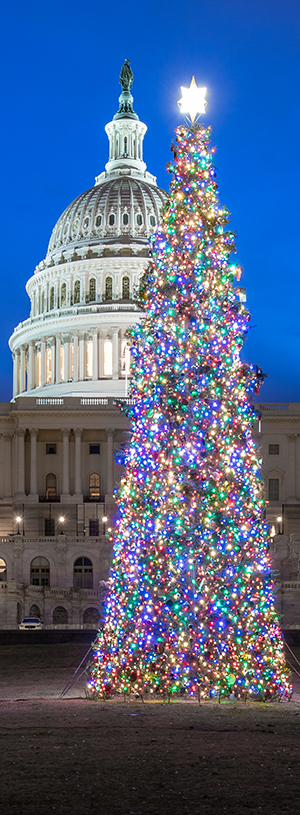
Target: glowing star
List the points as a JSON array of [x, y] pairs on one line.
[[193, 100]]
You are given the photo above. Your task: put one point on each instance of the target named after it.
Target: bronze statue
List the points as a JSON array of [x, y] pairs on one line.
[[126, 76]]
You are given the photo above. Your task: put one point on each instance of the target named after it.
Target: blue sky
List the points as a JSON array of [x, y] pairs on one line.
[[59, 75]]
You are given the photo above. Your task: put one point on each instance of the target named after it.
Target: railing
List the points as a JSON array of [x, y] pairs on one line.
[[290, 584]]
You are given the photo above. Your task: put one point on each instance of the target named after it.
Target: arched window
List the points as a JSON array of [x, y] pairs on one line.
[[98, 220], [108, 288], [125, 218], [92, 290], [111, 219], [3, 573], [35, 611], [39, 574], [51, 302], [43, 302], [62, 362], [63, 295], [48, 365], [139, 219], [152, 220], [51, 492], [89, 358], [91, 617], [125, 358], [125, 145], [60, 616], [38, 369], [94, 487], [107, 366], [83, 573], [77, 291], [125, 288]]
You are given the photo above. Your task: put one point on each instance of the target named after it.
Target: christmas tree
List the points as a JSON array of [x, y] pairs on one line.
[[190, 607]]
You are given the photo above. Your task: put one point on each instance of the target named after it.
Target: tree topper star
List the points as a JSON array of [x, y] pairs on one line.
[[193, 100]]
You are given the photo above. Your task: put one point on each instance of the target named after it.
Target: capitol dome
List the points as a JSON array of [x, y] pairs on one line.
[[84, 293]]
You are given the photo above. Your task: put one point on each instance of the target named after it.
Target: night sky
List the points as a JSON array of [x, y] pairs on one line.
[[60, 71]]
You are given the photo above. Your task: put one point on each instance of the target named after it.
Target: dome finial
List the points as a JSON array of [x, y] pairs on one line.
[[126, 99]]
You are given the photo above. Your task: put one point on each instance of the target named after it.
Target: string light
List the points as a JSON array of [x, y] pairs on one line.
[[190, 607]]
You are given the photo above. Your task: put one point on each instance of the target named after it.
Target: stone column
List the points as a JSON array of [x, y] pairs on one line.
[[75, 359], [52, 348], [57, 358], [110, 477], [8, 437], [66, 481], [101, 356], [115, 352], [21, 464], [31, 366], [78, 435], [22, 369], [66, 359], [95, 355], [81, 357], [43, 362], [33, 464], [16, 371]]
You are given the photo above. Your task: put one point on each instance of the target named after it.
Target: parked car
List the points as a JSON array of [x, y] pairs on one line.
[[30, 622]]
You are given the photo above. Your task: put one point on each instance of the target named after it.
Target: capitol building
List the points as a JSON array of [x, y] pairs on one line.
[[71, 370]]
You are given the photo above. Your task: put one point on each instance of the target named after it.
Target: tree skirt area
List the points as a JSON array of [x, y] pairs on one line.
[[78, 756]]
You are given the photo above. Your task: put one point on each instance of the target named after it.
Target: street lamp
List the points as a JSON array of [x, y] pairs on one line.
[[61, 521], [104, 521], [18, 520]]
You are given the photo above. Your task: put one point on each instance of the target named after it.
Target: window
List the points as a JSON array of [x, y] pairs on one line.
[[51, 487], [107, 368], [93, 527], [125, 145], [89, 358], [49, 527], [50, 449], [152, 220], [108, 288], [35, 611], [125, 219], [125, 358], [60, 616], [48, 365], [43, 302], [139, 219], [63, 295], [125, 288], [273, 489], [38, 369], [83, 573], [77, 291], [98, 220], [273, 449], [51, 303], [92, 290], [62, 362], [94, 487], [94, 449], [2, 569], [86, 223], [75, 225], [91, 617], [111, 219], [39, 574]]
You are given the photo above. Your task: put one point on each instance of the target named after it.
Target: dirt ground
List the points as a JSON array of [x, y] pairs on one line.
[[76, 756]]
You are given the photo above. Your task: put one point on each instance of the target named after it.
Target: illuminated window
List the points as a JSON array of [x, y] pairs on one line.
[[94, 487], [108, 358], [125, 288], [273, 489], [125, 358], [62, 362], [51, 492], [89, 358], [2, 569], [51, 302], [39, 573], [108, 288], [77, 291], [38, 369], [63, 295], [92, 290], [48, 365], [72, 361], [83, 573]]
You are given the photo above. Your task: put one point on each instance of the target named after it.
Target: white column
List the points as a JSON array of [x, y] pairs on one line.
[[21, 463], [66, 359], [115, 352], [101, 356], [43, 362], [16, 371], [66, 480], [75, 359], [81, 357], [22, 369], [78, 435], [31, 366], [95, 355], [7, 465], [57, 359], [52, 350], [33, 464], [110, 482]]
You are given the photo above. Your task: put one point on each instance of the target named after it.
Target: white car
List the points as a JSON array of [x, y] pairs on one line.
[[30, 623]]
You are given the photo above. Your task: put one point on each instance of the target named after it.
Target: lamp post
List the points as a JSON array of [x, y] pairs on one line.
[[61, 521], [18, 520], [104, 521]]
